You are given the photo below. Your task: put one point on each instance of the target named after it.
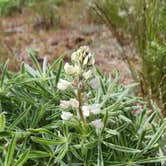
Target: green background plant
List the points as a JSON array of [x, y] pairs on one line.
[[142, 22]]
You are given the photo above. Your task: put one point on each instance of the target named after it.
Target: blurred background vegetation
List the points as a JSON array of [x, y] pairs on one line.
[[143, 23]]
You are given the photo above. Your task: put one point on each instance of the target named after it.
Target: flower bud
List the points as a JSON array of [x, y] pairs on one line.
[[83, 56]]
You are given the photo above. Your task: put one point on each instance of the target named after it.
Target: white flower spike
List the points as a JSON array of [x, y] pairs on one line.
[[66, 115], [63, 84], [83, 56]]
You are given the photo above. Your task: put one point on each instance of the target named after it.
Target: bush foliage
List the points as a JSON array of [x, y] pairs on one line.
[[142, 22], [39, 127]]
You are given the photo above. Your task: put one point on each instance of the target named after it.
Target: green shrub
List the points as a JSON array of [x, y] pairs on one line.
[[8, 7], [141, 22], [75, 115], [46, 13], [46, 9]]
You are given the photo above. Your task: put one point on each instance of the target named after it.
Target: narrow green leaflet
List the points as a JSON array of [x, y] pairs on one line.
[[59, 72], [38, 154], [19, 118], [4, 70], [42, 130], [2, 121], [48, 141], [121, 148], [33, 54], [10, 152], [100, 161], [157, 135], [39, 116], [22, 159], [51, 67], [151, 160]]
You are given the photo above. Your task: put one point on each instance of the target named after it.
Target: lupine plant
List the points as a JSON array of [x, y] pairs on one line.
[[72, 114]]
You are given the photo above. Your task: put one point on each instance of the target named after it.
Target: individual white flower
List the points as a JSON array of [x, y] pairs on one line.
[[87, 74], [95, 108], [64, 104], [63, 84], [86, 110], [66, 115], [69, 69], [97, 123], [74, 103]]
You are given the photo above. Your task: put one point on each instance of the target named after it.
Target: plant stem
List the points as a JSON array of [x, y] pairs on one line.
[[79, 97]]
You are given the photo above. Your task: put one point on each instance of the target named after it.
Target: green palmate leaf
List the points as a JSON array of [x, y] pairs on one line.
[[62, 151], [39, 116], [121, 148], [157, 135], [38, 154], [2, 121], [75, 153], [19, 118], [22, 159], [10, 152], [48, 141]]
